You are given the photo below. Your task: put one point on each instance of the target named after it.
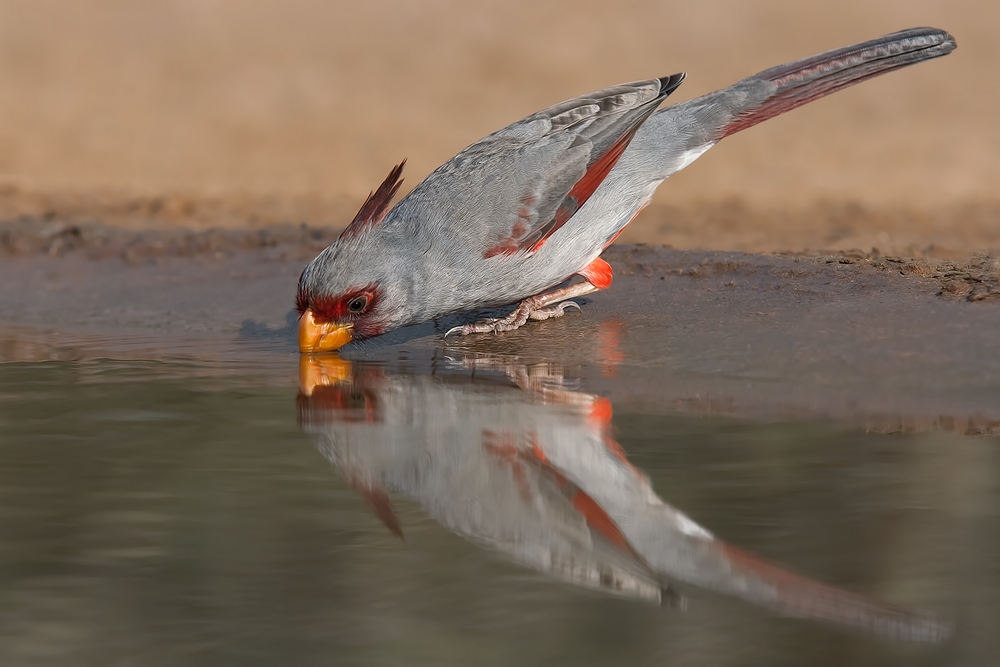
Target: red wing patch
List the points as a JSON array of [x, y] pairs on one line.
[[580, 193], [575, 198], [525, 216]]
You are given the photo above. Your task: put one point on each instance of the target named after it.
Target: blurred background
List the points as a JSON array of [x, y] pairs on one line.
[[223, 113]]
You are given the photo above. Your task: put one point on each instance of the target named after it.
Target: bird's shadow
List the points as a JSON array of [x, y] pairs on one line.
[[285, 338]]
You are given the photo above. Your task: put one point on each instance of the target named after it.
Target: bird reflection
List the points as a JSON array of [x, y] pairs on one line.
[[512, 458]]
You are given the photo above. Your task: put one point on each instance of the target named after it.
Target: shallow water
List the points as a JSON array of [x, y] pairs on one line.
[[723, 459], [224, 503]]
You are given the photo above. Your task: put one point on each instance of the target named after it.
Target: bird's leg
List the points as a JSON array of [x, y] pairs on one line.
[[539, 307]]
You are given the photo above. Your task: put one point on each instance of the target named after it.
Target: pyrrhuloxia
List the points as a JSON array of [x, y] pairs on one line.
[[518, 213]]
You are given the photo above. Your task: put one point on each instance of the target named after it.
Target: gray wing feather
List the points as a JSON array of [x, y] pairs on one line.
[[520, 174]]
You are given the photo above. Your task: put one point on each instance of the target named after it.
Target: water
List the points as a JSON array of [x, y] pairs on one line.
[[722, 460], [228, 503]]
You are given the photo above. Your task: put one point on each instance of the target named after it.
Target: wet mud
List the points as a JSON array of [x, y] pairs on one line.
[[883, 342], [29, 235], [974, 277]]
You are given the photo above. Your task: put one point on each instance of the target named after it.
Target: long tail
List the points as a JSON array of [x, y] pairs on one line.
[[701, 122], [676, 136], [802, 81]]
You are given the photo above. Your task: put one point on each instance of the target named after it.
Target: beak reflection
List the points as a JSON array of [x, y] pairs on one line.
[[324, 371]]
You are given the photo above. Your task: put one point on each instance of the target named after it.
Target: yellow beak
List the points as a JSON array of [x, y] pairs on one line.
[[321, 336]]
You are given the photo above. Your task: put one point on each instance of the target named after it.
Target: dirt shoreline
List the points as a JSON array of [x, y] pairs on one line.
[[973, 276], [864, 342], [953, 230]]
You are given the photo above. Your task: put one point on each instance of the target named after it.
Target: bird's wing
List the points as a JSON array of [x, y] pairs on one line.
[[508, 192]]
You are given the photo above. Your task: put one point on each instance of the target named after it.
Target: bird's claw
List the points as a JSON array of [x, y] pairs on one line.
[[515, 319], [557, 310]]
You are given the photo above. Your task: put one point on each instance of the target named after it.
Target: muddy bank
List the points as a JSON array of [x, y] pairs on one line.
[[950, 230], [33, 235], [875, 342], [972, 276]]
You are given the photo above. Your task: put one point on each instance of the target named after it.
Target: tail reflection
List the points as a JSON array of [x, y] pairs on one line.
[[528, 467]]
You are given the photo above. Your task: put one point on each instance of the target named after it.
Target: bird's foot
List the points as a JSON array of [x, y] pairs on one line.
[[542, 306], [558, 310], [526, 310]]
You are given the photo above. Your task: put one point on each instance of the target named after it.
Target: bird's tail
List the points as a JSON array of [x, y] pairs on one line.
[[802, 81]]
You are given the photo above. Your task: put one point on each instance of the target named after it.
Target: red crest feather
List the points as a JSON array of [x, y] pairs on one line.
[[377, 205]]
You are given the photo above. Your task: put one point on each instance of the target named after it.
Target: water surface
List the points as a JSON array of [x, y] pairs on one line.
[[745, 461], [184, 510]]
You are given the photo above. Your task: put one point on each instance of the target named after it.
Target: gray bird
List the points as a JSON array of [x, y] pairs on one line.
[[518, 213]]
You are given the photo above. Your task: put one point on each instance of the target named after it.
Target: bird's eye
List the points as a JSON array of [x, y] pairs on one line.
[[357, 304]]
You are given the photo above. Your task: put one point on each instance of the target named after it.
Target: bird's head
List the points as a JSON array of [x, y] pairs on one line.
[[346, 292]]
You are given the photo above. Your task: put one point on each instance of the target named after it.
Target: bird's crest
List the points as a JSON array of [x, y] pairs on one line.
[[376, 206]]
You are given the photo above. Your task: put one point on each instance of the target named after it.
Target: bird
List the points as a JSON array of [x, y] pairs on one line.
[[516, 215]]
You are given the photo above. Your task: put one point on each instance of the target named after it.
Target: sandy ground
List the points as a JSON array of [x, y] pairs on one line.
[[226, 114]]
